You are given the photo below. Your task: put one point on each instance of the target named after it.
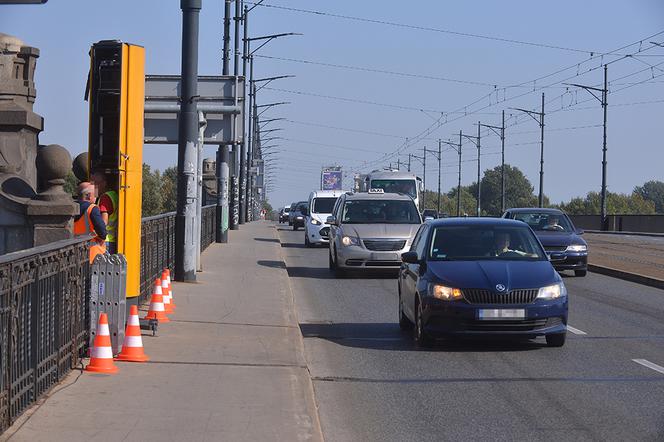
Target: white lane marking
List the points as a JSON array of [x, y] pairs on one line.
[[576, 331], [650, 365]]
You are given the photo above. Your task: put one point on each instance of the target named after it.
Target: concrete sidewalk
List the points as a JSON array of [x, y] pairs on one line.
[[229, 366]]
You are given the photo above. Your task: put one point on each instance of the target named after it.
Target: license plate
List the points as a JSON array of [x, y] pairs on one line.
[[497, 314]]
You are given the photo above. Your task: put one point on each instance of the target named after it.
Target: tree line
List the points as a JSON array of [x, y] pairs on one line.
[[519, 192]]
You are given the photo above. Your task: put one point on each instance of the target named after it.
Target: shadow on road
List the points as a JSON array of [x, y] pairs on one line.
[[266, 239], [293, 245], [310, 272], [388, 336], [272, 264]]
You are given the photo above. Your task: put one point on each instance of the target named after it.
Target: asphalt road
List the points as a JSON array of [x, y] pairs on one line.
[[371, 383]]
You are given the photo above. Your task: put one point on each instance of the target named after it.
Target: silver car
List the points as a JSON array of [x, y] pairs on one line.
[[371, 230]]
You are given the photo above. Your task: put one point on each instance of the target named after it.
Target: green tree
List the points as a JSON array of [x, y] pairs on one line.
[[71, 184], [518, 190], [653, 191], [468, 202], [616, 204], [152, 192], [169, 189]]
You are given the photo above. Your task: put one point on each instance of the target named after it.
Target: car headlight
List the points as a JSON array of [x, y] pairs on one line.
[[444, 293], [299, 217], [577, 248], [350, 241], [315, 222], [554, 291]]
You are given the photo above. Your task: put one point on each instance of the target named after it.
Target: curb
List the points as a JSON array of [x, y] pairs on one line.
[[317, 423], [608, 232], [627, 276]]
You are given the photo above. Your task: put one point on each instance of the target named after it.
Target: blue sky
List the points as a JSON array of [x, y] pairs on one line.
[[64, 30]]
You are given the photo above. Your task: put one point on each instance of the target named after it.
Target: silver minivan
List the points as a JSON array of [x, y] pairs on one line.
[[371, 230]]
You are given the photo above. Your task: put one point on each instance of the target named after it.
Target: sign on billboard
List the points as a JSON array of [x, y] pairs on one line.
[[331, 180]]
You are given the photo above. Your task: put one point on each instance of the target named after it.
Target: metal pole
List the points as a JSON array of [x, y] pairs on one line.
[[223, 170], [439, 169], [202, 123], [502, 167], [605, 104], [185, 251], [479, 182], [409, 162], [250, 125], [234, 200], [243, 149], [459, 186], [424, 182], [541, 184]]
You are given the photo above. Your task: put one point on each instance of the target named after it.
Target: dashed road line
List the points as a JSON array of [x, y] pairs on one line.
[[650, 365], [576, 331]]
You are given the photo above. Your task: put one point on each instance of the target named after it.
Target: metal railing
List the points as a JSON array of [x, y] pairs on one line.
[[43, 321], [158, 245]]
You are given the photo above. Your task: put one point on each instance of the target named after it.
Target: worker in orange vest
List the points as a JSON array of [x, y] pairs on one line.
[[89, 220]]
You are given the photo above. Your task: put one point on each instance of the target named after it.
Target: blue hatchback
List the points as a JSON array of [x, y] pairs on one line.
[[479, 277]]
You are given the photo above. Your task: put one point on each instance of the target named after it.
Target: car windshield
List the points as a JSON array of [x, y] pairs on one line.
[[487, 242], [323, 205], [380, 211], [286, 209], [396, 186], [545, 221]]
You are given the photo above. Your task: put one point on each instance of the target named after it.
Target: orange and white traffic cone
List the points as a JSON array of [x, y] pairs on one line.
[[166, 276], [168, 308], [132, 348], [156, 310], [101, 359]]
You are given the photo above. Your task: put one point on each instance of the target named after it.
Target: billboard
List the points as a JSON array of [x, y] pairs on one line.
[[331, 180]]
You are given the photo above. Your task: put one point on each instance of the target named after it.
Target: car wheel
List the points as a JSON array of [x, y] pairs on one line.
[[556, 340], [331, 262], [580, 273], [404, 322], [422, 339], [307, 243], [338, 271], [294, 227]]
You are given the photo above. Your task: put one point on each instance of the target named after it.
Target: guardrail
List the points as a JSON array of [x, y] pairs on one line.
[[43, 321], [621, 223]]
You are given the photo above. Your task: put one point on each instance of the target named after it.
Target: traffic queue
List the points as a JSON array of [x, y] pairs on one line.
[[462, 276]]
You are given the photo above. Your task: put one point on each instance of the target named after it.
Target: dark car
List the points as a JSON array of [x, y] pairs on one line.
[[479, 277], [429, 214], [283, 214], [561, 240], [291, 214], [299, 214]]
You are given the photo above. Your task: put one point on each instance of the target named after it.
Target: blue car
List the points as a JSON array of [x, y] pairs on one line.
[[480, 277]]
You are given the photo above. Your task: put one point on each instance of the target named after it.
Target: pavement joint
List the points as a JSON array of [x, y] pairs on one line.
[[186, 321], [226, 364]]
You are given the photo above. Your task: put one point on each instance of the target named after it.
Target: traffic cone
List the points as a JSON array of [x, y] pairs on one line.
[[101, 359], [132, 348], [167, 274], [168, 308], [156, 310]]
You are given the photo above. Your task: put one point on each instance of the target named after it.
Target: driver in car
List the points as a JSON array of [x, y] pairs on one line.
[[501, 245], [552, 224]]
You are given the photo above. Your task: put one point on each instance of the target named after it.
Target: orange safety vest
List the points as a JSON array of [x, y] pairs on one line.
[[83, 226]]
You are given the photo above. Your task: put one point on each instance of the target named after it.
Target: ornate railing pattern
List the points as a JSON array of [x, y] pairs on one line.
[[43, 321]]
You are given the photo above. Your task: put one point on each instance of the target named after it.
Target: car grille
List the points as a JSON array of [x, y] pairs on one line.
[[497, 326], [324, 232], [380, 245], [555, 248], [481, 296]]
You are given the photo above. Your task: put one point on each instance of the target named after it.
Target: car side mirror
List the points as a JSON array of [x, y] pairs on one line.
[[410, 258], [580, 231], [331, 220]]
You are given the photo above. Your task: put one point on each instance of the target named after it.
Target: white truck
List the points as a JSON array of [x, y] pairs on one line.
[[394, 181]]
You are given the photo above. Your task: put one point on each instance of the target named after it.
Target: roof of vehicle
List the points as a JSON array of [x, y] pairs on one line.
[[378, 196], [326, 193], [475, 221], [535, 209], [388, 174]]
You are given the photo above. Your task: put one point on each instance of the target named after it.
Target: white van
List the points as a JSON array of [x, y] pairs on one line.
[[321, 202]]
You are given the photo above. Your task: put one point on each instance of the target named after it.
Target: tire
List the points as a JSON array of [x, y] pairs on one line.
[[556, 340], [422, 339], [580, 273], [338, 271], [295, 228], [307, 243], [404, 323], [331, 263]]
